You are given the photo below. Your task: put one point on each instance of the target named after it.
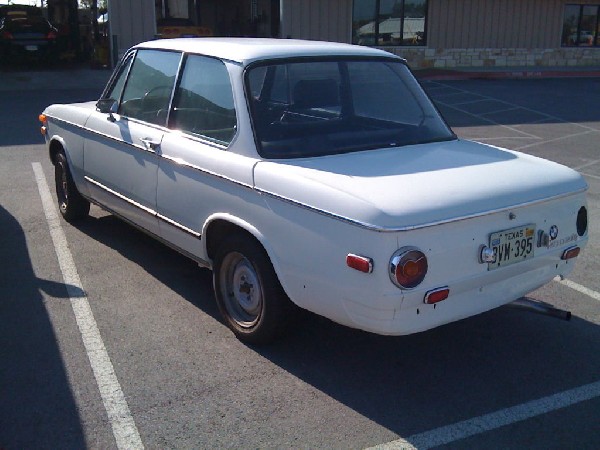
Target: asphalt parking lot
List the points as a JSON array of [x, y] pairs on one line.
[[504, 379]]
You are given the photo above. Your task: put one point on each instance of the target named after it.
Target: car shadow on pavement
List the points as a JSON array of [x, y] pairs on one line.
[[407, 384], [416, 383], [180, 274], [38, 409]]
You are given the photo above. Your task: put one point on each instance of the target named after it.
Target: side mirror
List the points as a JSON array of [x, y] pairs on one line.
[[107, 106]]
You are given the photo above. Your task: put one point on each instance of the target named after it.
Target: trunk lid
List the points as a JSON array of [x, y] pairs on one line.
[[418, 185]]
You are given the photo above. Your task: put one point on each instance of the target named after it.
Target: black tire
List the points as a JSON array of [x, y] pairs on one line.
[[248, 293], [71, 204]]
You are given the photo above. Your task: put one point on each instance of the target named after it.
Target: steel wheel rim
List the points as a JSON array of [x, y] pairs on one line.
[[241, 290]]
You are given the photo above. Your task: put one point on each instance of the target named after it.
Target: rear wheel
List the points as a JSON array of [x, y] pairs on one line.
[[71, 204], [249, 295]]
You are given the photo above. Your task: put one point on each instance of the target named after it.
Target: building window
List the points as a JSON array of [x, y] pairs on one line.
[[581, 26], [389, 22]]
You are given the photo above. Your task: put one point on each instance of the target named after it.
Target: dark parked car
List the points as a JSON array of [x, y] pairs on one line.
[[27, 35]]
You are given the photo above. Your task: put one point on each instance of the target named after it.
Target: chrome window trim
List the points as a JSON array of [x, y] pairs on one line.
[[178, 75], [199, 138], [115, 74]]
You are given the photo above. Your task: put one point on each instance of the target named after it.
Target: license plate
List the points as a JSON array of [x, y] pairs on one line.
[[512, 246], [31, 48]]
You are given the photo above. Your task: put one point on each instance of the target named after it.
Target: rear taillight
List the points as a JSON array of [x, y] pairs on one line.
[[6, 35], [51, 35], [408, 267]]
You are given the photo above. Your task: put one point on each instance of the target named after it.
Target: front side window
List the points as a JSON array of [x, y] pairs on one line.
[[581, 26], [203, 103], [389, 22], [116, 89], [148, 89], [314, 108]]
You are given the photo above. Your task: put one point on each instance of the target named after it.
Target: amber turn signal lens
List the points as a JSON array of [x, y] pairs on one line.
[[408, 267], [42, 118]]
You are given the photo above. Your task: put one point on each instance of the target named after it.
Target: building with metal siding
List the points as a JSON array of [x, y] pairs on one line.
[[445, 34], [325, 20], [501, 33], [130, 22]]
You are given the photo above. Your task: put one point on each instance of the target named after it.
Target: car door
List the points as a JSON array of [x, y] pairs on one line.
[[121, 154], [197, 175]]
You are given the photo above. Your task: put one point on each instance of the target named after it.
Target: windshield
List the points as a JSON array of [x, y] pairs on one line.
[[323, 107]]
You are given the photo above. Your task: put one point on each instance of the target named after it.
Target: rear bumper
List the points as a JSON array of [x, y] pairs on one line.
[[28, 48], [468, 297]]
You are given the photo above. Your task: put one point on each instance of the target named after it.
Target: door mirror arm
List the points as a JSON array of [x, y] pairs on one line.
[[108, 106]]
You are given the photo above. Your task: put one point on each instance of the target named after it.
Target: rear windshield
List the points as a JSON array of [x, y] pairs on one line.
[[26, 23], [323, 107]]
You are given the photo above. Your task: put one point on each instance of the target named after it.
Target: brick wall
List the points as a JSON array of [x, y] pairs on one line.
[[423, 58]]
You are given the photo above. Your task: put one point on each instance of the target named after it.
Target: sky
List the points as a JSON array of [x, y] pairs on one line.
[[20, 2]]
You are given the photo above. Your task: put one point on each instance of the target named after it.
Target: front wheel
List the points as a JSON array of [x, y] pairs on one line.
[[71, 204], [249, 295]]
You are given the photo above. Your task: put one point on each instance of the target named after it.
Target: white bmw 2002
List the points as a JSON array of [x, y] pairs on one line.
[[318, 175]]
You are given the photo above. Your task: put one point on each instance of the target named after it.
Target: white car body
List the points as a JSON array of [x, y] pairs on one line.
[[309, 213]]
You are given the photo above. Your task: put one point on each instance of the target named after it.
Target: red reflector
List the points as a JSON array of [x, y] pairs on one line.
[[437, 295], [360, 263], [571, 252]]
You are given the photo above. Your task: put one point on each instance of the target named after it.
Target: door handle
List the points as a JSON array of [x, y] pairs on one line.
[[150, 144]]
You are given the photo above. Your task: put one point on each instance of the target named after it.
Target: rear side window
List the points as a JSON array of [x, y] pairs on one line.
[[203, 103], [148, 90]]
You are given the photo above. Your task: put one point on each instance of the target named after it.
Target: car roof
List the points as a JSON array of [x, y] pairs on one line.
[[247, 50]]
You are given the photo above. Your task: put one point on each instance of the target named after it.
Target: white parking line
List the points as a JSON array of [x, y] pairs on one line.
[[579, 288], [590, 175], [498, 138], [547, 116], [123, 427], [498, 111], [560, 138], [588, 164], [471, 102], [488, 422], [485, 119]]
